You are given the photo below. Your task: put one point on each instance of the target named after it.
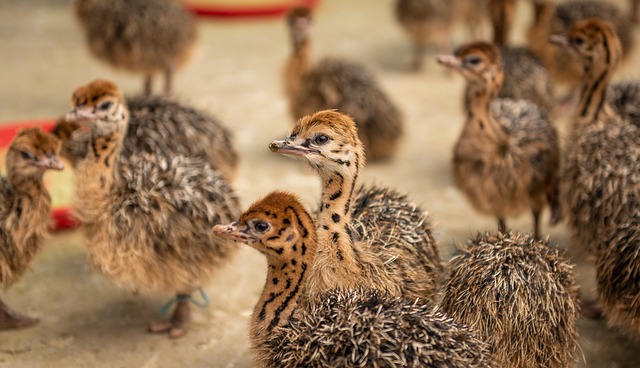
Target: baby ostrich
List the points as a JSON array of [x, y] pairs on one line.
[[600, 183], [141, 36], [24, 214], [372, 237], [506, 158], [147, 218], [618, 271], [161, 126], [354, 328], [425, 21], [551, 20], [519, 295], [341, 85]]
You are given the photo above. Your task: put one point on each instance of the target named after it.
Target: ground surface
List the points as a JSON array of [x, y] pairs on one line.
[[87, 322]]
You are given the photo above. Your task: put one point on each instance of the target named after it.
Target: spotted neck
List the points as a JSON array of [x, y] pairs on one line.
[[296, 68], [286, 279], [593, 102], [480, 121], [338, 258]]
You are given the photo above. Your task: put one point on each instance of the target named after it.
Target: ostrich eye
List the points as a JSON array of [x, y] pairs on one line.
[[105, 105], [261, 226], [472, 60], [321, 139], [27, 155], [577, 41]]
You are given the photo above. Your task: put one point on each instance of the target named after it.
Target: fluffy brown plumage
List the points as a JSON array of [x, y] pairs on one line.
[[520, 295], [354, 328], [618, 272], [341, 85], [600, 183], [551, 20], [147, 217], [161, 126], [426, 21], [372, 237], [624, 97], [507, 156], [526, 78], [141, 36], [24, 210]]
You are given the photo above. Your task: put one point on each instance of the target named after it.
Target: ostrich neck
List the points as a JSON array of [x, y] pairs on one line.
[[95, 173], [296, 68], [31, 186], [282, 290], [480, 120], [337, 260], [593, 102]]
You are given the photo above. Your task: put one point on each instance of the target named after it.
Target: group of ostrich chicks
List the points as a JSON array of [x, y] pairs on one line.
[[359, 282]]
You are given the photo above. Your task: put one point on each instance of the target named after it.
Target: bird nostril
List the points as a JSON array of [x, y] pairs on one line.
[[274, 147]]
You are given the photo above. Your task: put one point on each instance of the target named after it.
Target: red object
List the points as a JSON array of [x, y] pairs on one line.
[[62, 218], [261, 11]]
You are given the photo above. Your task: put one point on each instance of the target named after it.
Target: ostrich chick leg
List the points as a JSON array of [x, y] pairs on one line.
[[168, 81], [10, 319], [178, 324]]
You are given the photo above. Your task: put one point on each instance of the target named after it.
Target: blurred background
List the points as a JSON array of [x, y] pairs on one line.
[[236, 75]]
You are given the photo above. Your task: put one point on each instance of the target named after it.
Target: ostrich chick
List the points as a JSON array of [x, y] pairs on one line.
[[161, 126], [24, 214], [600, 183], [424, 21], [618, 272], [506, 158], [355, 328], [141, 36], [370, 237], [341, 85], [520, 295], [550, 19], [147, 217]]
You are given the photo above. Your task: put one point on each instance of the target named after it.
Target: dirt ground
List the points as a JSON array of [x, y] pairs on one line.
[[88, 322]]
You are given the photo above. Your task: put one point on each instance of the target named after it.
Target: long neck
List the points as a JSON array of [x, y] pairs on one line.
[[480, 121], [285, 283], [338, 258], [95, 173], [593, 103], [296, 67]]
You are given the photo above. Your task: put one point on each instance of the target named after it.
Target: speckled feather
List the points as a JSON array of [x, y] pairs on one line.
[[515, 178], [600, 183], [161, 126], [625, 99], [617, 273], [520, 295], [362, 328], [526, 78], [153, 229], [144, 36], [353, 90], [401, 232], [25, 207]]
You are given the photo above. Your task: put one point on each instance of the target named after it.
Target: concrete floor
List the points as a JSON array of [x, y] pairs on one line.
[[86, 321]]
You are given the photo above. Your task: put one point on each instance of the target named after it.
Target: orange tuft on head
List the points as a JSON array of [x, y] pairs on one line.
[[36, 141], [299, 12], [90, 94], [341, 123], [486, 50], [274, 203]]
